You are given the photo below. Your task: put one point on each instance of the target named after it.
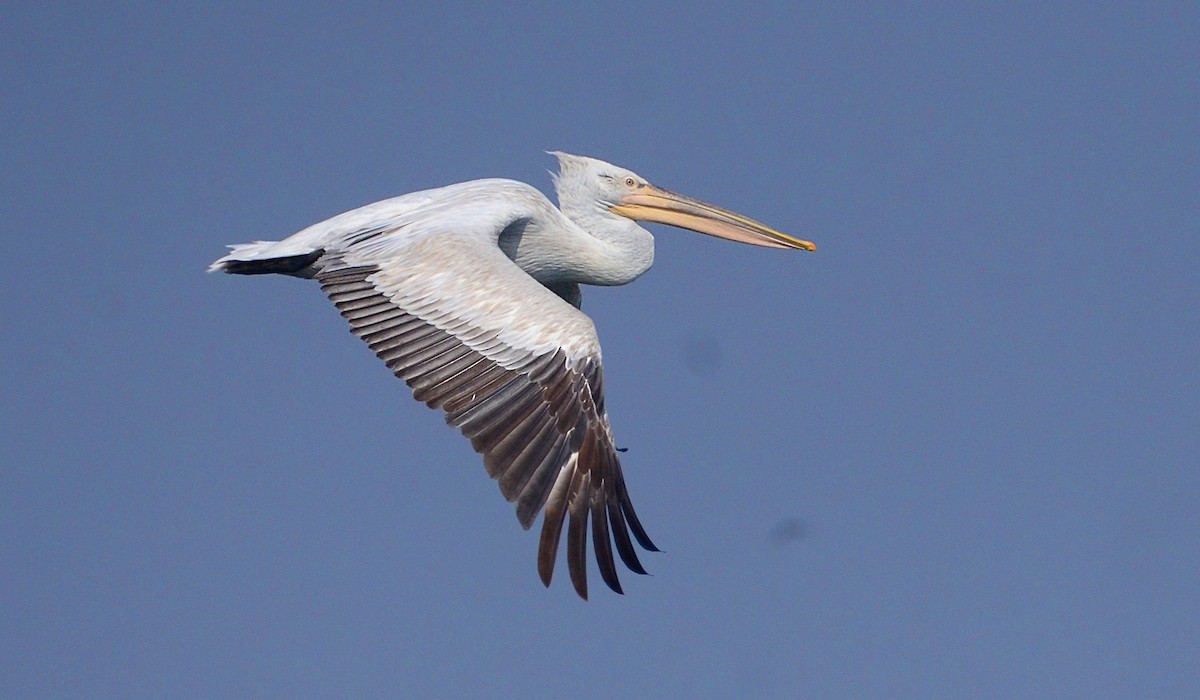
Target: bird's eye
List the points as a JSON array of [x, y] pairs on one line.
[[630, 182]]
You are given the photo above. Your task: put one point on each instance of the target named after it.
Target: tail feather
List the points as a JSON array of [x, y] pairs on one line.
[[262, 258]]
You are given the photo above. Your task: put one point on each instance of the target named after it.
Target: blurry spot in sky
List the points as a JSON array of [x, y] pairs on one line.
[[702, 355], [789, 531]]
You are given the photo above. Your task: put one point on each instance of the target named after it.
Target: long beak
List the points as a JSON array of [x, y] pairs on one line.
[[650, 203]]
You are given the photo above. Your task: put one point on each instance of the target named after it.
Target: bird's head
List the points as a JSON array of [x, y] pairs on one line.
[[584, 182]]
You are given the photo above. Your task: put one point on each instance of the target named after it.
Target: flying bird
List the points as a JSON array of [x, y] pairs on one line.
[[470, 293]]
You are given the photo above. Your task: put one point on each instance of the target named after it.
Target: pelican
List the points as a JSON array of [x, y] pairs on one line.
[[470, 293]]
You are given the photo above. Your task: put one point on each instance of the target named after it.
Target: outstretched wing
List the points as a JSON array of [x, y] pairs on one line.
[[515, 368]]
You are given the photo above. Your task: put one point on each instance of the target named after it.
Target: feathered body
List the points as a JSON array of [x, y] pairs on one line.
[[470, 294]]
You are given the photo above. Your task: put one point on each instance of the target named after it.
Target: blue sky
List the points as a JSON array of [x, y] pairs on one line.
[[951, 454]]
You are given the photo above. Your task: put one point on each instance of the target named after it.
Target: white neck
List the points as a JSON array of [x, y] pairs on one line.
[[619, 250]]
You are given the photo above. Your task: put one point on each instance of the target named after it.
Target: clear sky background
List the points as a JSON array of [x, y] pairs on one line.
[[953, 453]]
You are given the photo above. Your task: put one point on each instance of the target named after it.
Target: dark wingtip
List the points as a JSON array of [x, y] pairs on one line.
[[639, 533], [577, 548], [601, 541], [578, 576], [546, 557], [286, 265]]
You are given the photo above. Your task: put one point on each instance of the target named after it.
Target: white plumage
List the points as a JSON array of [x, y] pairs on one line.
[[470, 293]]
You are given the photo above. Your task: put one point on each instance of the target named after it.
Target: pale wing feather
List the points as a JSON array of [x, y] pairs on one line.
[[514, 366]]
